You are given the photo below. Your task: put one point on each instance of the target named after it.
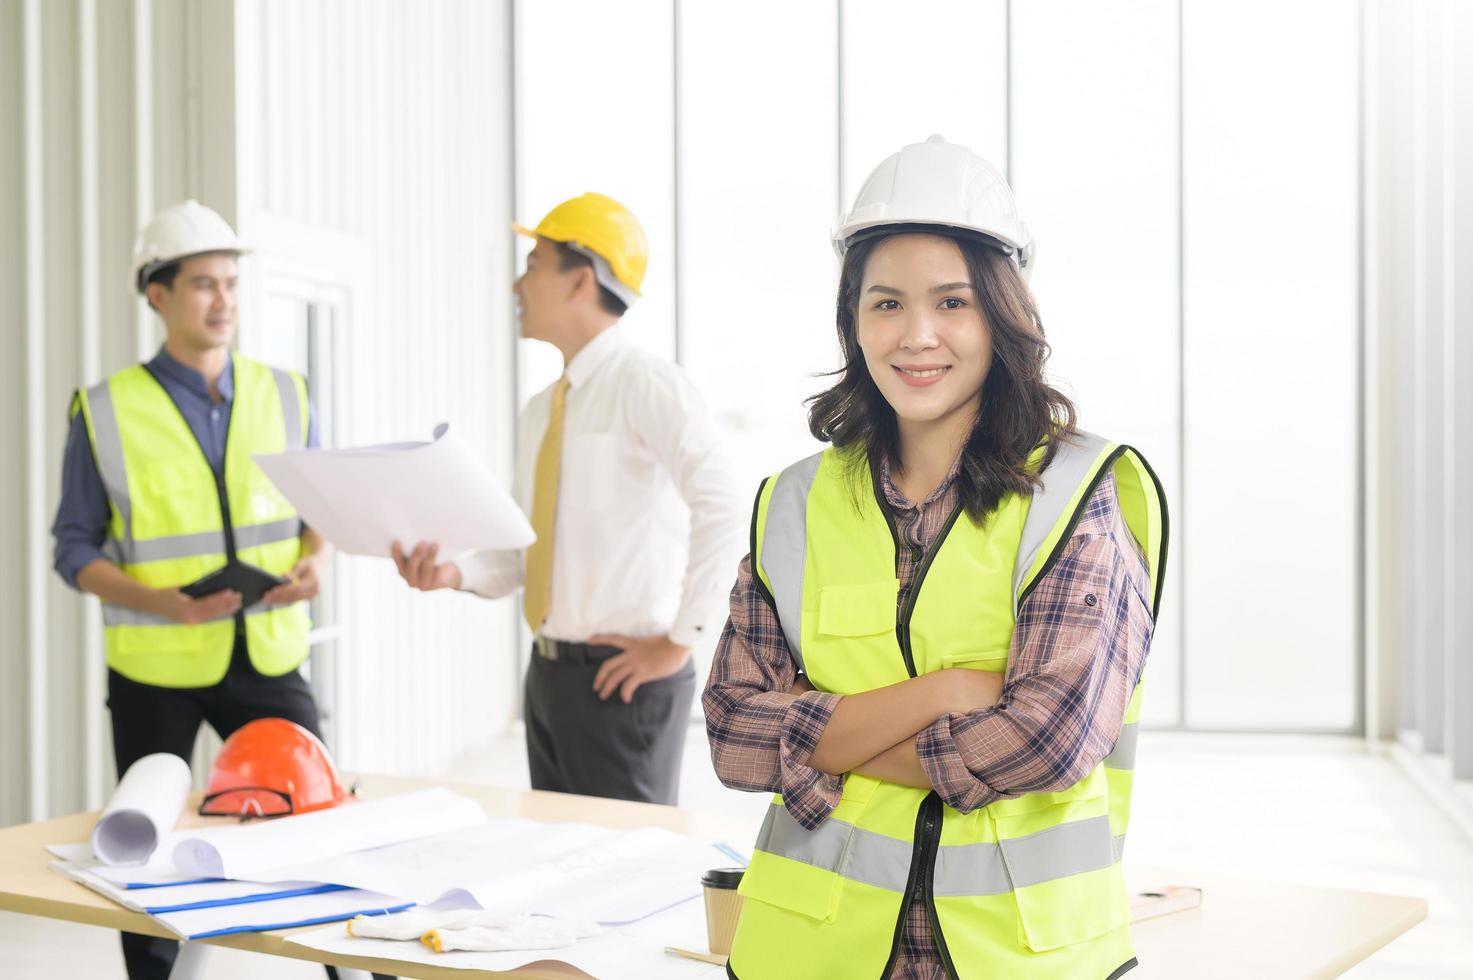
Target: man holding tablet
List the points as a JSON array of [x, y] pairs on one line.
[[202, 566]]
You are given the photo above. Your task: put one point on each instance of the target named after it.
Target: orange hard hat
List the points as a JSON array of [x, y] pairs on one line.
[[269, 768]]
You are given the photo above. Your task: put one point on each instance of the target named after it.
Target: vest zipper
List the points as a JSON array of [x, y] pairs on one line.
[[932, 808], [902, 626], [228, 525], [220, 491], [917, 848], [927, 836]]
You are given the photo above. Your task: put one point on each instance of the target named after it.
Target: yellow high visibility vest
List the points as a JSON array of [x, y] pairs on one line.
[[168, 519], [1026, 887]]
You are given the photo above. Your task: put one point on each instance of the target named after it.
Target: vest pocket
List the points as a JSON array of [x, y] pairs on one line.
[[857, 610], [1066, 882], [993, 660], [174, 497], [792, 876], [797, 870]]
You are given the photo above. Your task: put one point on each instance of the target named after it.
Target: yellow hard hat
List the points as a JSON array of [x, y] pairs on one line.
[[608, 233]]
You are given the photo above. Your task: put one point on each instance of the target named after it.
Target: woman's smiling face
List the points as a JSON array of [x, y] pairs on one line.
[[925, 339]]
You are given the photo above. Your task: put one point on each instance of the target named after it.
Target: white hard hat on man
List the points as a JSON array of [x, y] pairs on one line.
[[180, 232]]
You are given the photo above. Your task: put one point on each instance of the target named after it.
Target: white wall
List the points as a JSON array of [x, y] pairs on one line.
[[1100, 185], [374, 161], [1270, 368], [1419, 370]]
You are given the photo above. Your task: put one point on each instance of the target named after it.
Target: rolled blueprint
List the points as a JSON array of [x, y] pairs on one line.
[[252, 849], [143, 810]]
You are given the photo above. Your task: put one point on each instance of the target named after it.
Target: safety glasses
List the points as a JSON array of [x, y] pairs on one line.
[[247, 802]]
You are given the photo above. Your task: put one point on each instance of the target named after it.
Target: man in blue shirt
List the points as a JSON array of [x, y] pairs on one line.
[[187, 269]]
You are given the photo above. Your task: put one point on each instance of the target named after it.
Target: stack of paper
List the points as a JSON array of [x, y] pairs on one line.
[[567, 870], [190, 881], [195, 909]]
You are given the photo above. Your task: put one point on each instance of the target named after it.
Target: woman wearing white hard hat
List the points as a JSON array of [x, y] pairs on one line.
[[935, 646]]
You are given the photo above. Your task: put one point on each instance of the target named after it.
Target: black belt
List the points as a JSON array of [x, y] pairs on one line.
[[563, 651]]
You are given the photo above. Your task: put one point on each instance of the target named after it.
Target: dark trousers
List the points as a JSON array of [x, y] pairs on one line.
[[579, 744], [148, 719]]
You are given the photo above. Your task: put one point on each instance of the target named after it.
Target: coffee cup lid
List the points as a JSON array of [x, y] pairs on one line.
[[722, 878]]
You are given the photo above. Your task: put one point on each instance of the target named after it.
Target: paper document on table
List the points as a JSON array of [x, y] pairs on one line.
[[635, 951], [364, 499], [624, 878], [142, 811], [572, 870], [255, 850]]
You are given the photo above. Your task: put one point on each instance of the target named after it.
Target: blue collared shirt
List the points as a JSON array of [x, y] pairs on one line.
[[84, 510]]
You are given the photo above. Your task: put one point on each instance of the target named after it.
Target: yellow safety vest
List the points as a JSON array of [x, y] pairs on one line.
[[169, 527], [1025, 887]]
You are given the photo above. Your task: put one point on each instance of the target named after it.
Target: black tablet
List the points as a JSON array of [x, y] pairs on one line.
[[250, 581]]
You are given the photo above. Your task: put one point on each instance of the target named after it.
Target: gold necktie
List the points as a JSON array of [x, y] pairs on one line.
[[538, 592]]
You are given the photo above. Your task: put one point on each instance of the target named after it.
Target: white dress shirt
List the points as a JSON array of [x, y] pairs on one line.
[[650, 521]]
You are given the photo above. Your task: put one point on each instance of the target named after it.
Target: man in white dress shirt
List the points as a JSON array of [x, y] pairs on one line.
[[638, 517]]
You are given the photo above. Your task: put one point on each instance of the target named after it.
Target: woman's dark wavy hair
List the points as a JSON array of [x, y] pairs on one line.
[[1019, 409]]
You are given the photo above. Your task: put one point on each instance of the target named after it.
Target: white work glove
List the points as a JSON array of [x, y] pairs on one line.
[[488, 935], [409, 924], [473, 929]]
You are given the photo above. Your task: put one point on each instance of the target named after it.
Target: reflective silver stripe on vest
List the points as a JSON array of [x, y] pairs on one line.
[[291, 407], [1123, 755], [255, 535], [784, 545], [107, 442], [124, 616], [208, 542], [962, 870], [839, 847], [1070, 465], [1058, 852]]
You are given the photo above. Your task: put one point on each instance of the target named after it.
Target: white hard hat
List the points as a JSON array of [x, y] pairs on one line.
[[177, 233], [938, 186]]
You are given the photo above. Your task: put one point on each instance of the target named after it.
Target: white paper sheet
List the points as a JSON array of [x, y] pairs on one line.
[[251, 851], [366, 498], [143, 809], [619, 880], [634, 952], [567, 870]]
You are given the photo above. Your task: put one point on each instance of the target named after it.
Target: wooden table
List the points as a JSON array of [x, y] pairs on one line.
[[1244, 928]]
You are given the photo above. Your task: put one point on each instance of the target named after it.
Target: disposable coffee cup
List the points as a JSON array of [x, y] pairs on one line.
[[723, 907]]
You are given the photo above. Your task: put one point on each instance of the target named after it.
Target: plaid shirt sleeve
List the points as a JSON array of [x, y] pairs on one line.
[[1078, 649], [761, 736]]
